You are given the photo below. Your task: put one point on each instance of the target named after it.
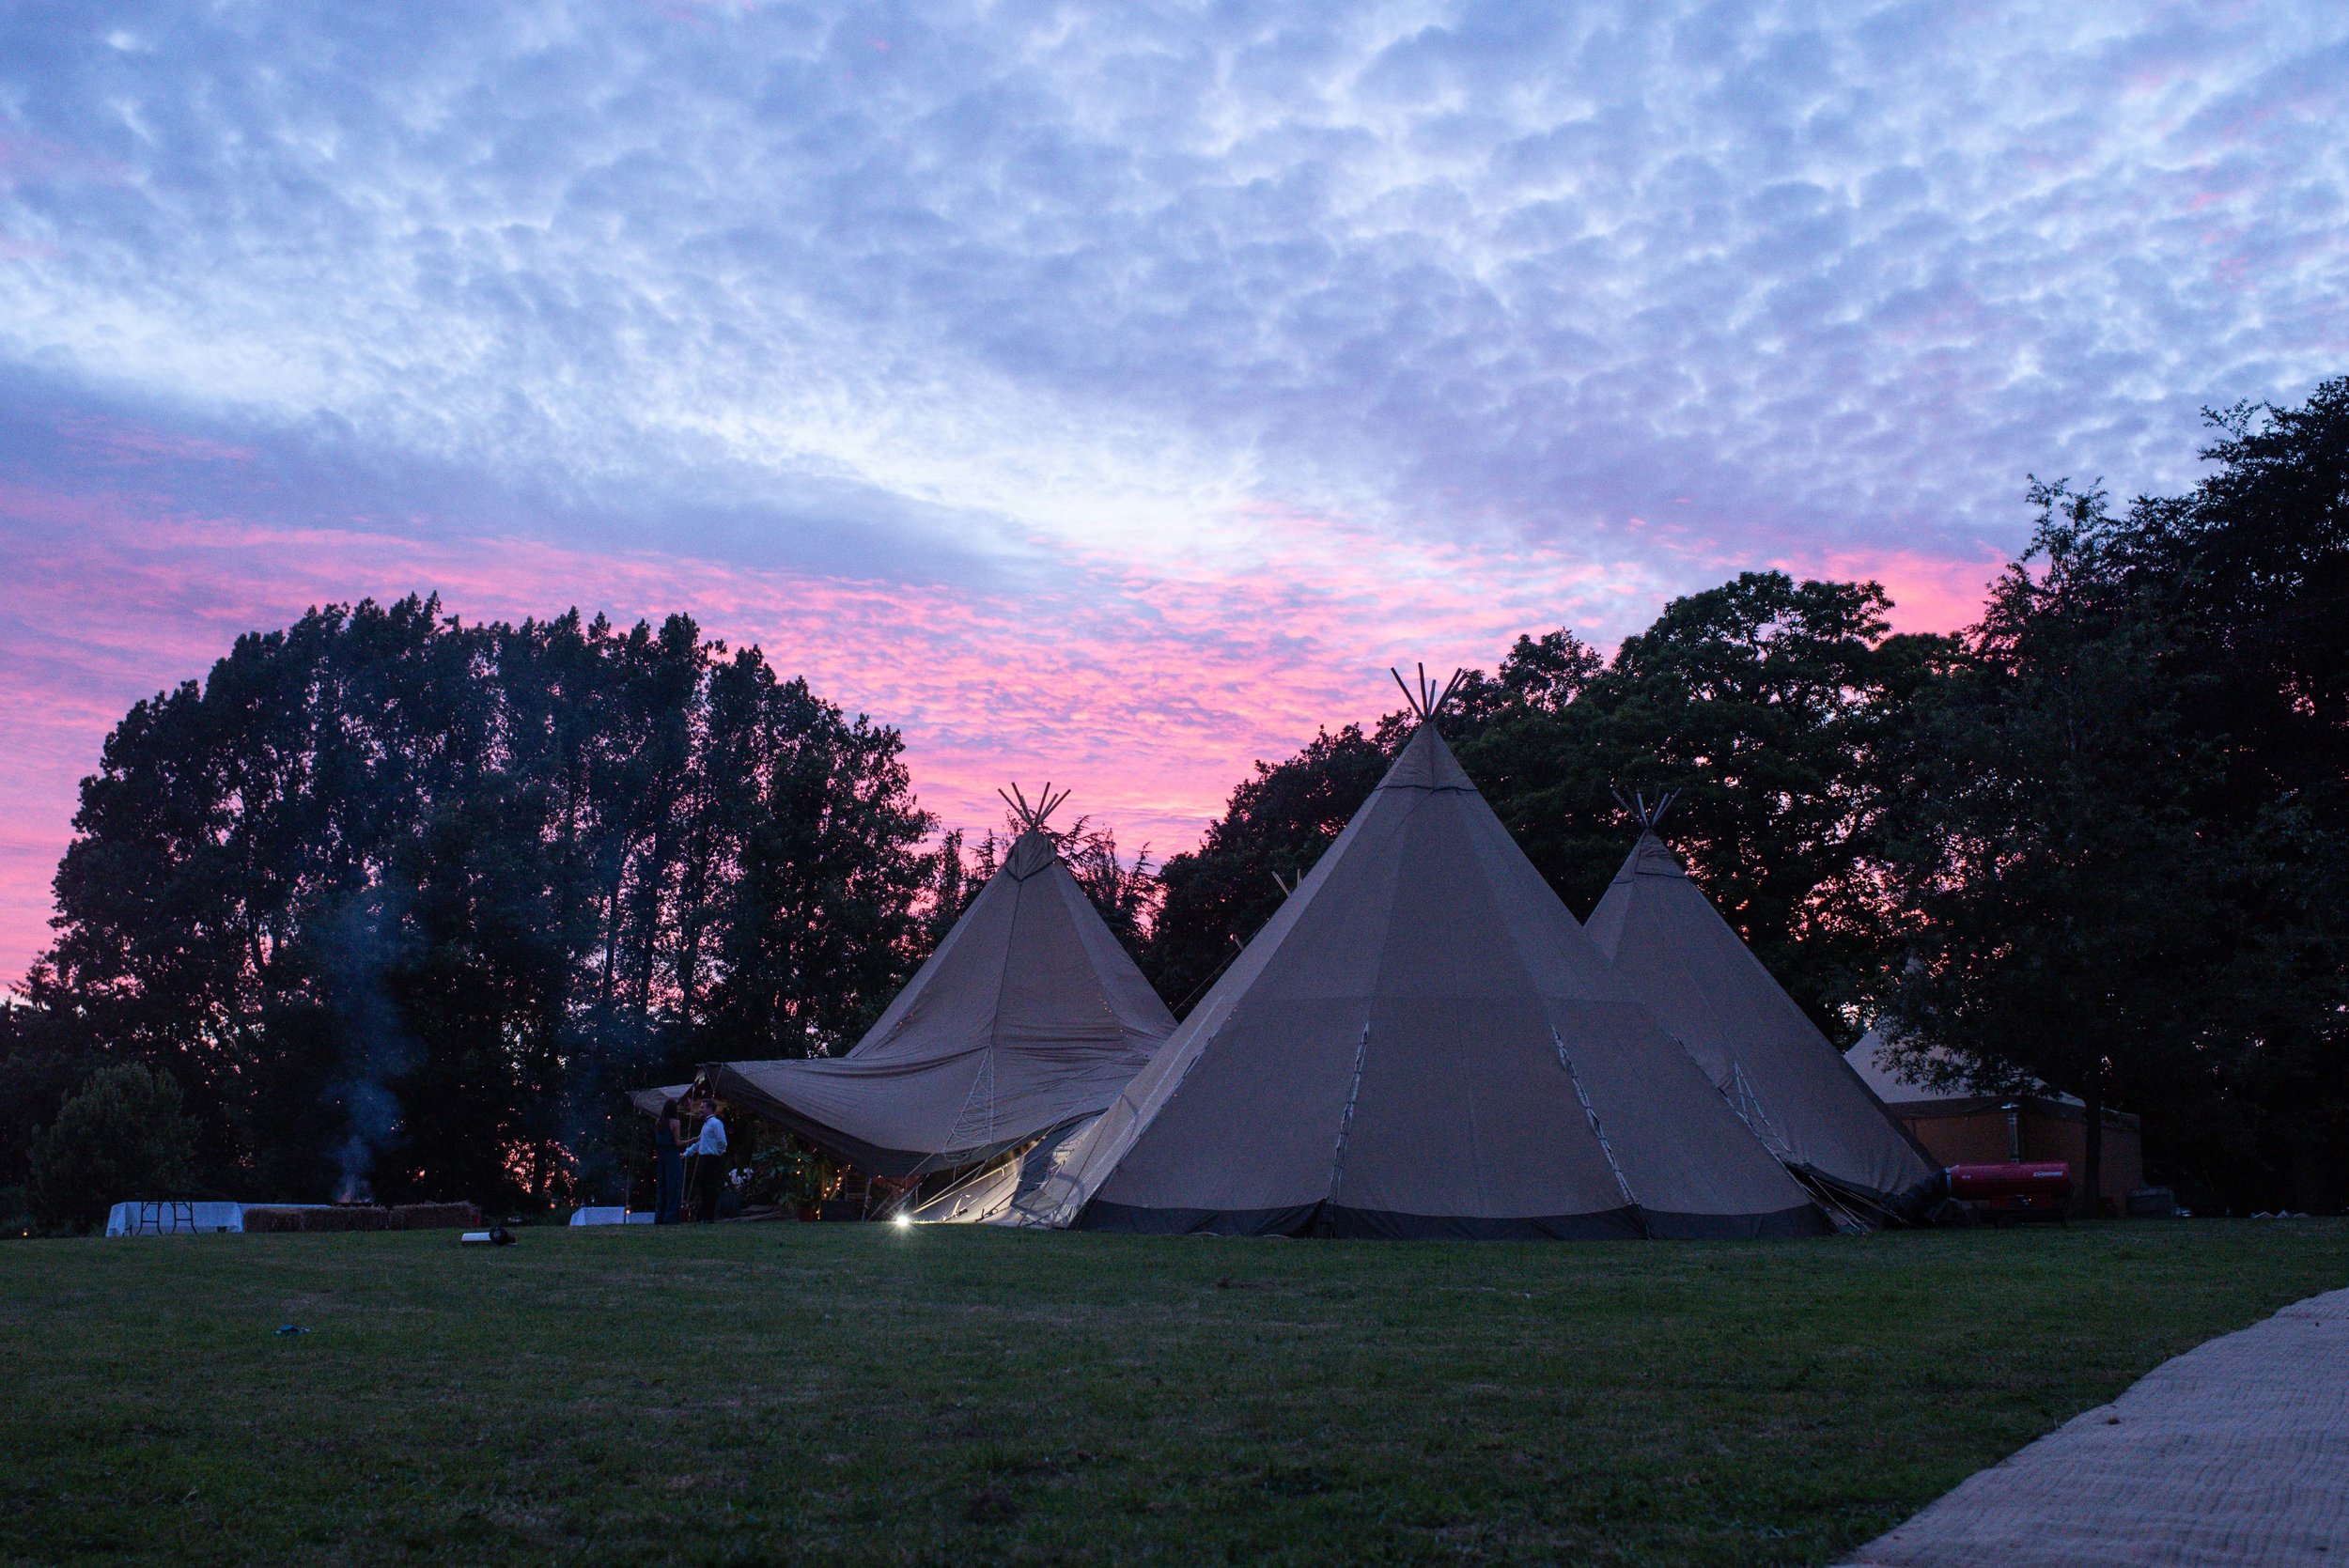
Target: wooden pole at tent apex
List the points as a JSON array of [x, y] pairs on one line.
[[1032, 817], [1640, 811], [1426, 702]]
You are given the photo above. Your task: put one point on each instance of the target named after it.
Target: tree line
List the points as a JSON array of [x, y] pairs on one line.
[[396, 900], [402, 903]]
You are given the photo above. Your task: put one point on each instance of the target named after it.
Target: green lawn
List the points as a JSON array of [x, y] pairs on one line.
[[860, 1394]]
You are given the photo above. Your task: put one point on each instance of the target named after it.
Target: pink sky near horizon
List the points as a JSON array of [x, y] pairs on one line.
[[1148, 695]]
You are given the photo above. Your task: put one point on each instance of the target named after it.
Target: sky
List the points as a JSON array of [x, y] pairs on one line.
[[1105, 394]]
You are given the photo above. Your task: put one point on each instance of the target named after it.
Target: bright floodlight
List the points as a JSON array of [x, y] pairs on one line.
[[905, 1220]]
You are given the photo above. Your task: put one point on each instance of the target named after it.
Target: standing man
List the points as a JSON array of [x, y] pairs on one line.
[[708, 1165]]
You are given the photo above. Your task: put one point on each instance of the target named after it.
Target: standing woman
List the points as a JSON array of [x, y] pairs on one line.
[[668, 1142]]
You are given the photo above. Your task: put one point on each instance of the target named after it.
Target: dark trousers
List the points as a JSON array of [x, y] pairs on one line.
[[672, 1189], [702, 1183]]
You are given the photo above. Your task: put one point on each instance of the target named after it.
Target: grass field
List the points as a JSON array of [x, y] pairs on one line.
[[860, 1395]]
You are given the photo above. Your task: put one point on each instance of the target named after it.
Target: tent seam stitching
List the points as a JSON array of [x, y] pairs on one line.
[[1623, 1183], [1361, 1046]]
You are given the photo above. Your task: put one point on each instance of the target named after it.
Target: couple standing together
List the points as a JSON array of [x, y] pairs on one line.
[[689, 1173]]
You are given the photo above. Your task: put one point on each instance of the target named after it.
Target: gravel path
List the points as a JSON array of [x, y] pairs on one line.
[[2235, 1452]]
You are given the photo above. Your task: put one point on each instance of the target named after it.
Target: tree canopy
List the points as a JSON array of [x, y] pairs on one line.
[[402, 901], [122, 1132], [2123, 852]]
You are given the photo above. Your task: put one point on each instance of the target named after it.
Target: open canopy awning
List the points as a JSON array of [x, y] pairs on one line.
[[1030, 1016]]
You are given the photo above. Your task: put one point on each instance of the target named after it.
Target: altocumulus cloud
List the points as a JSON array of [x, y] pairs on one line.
[[1248, 344]]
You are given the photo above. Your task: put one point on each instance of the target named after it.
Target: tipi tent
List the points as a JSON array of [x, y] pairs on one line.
[[1422, 1042], [1752, 1040], [1028, 1017], [1900, 1085]]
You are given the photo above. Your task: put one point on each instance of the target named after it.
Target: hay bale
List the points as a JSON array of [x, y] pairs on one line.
[[342, 1216], [362, 1217]]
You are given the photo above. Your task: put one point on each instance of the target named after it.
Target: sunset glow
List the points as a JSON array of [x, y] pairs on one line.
[[1107, 399]]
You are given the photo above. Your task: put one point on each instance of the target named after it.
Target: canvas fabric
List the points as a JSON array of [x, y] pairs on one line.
[[649, 1102], [985, 1195], [1422, 1042], [1029, 1016], [1752, 1040]]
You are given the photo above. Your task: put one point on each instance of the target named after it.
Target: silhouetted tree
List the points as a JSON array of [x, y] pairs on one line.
[[122, 1135], [40, 1065], [2128, 819], [402, 901], [2055, 872], [1769, 706]]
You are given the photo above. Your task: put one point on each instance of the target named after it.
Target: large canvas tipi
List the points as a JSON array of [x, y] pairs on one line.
[[1753, 1041], [1028, 1017], [1422, 1042]]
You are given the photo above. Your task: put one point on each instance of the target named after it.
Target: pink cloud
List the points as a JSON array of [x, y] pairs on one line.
[[125, 440], [1929, 593], [1148, 694]]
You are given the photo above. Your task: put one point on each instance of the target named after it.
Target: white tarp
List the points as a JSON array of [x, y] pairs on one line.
[[612, 1215], [170, 1218]]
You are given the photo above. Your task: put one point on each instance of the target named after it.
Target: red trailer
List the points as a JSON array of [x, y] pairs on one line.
[[2018, 1189]]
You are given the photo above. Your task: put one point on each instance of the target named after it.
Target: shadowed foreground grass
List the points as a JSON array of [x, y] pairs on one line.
[[860, 1394]]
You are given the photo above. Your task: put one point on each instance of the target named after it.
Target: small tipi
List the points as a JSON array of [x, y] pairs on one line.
[[1028, 1017], [1760, 1050], [1422, 1042]]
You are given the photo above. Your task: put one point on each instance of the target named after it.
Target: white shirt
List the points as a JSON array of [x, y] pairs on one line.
[[712, 1139]]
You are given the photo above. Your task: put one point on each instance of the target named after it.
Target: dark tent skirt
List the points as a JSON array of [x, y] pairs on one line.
[[1336, 1220]]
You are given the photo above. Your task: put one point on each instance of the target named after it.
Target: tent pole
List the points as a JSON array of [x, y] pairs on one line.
[[1409, 700]]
